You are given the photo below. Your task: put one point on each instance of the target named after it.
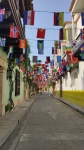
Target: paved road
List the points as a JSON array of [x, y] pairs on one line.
[[49, 125]]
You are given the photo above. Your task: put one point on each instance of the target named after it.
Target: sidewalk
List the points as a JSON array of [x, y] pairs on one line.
[[10, 120], [72, 105]]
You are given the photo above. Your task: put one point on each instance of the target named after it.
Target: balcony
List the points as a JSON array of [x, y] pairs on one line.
[[78, 44]]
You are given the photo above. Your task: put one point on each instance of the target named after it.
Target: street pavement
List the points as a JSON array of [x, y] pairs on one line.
[[11, 119]]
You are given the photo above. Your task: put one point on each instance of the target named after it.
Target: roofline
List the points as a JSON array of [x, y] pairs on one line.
[[71, 6], [67, 22]]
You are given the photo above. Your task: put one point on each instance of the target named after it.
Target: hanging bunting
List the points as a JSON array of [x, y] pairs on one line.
[[22, 43], [57, 45], [11, 49], [40, 44], [21, 57], [58, 19], [68, 50], [63, 62], [29, 17], [11, 56], [73, 59], [2, 42], [41, 52], [34, 59], [2, 14], [82, 18], [82, 34], [48, 59], [41, 33], [62, 34], [68, 47], [10, 53], [14, 32], [82, 48], [24, 51], [54, 51], [58, 59], [16, 60], [74, 43], [52, 63]]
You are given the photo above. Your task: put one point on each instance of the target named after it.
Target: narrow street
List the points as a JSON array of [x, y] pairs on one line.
[[49, 125]]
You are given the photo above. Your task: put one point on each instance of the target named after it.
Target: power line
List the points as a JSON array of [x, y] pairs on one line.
[[50, 28], [49, 11], [42, 40]]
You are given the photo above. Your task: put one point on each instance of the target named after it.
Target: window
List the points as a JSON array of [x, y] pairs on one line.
[[17, 83]]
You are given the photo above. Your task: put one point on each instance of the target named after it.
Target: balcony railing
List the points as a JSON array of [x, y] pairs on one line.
[[78, 44]]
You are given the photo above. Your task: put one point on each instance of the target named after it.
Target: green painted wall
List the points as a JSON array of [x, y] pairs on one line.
[[6, 82]]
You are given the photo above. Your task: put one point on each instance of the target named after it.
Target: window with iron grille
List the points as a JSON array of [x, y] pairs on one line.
[[17, 83]]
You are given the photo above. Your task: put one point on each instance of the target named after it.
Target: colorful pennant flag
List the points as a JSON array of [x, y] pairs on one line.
[[21, 57], [54, 51], [48, 59], [68, 50], [2, 14], [74, 43], [11, 49], [41, 33], [29, 17], [63, 62], [58, 59], [14, 32], [40, 51], [34, 59], [82, 18], [10, 53], [68, 47], [40, 44], [57, 45], [11, 56], [22, 43], [82, 34], [24, 51], [58, 19], [39, 61], [62, 34], [52, 63], [82, 48], [16, 60], [73, 59], [2, 42]]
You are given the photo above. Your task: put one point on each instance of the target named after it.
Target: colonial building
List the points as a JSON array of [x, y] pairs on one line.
[[71, 74], [12, 87]]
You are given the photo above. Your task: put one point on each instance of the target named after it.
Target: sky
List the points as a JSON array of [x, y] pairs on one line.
[[44, 19]]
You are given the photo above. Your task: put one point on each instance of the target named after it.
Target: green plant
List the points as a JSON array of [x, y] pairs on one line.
[[8, 107]]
